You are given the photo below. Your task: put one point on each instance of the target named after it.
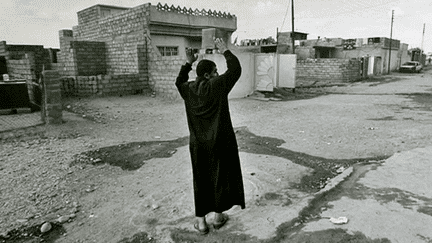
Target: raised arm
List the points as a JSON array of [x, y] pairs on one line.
[[183, 76], [228, 79]]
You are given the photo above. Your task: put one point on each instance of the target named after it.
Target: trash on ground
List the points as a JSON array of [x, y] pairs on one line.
[[340, 220], [45, 227], [340, 170]]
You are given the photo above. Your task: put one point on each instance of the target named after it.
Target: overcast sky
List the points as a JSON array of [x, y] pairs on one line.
[[38, 21]]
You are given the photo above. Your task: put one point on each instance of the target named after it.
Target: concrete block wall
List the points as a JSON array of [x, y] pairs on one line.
[[327, 71], [86, 32], [123, 34], [66, 55], [3, 48], [123, 84], [129, 49], [163, 74], [39, 56], [143, 55], [36, 53], [104, 85], [21, 69], [90, 57], [56, 67], [51, 103], [88, 15]]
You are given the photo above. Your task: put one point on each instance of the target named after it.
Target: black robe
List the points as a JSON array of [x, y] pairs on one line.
[[217, 178]]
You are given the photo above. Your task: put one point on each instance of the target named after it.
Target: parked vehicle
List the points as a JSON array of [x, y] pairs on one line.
[[413, 67]]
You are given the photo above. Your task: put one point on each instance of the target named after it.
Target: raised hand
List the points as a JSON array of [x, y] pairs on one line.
[[191, 57], [221, 45]]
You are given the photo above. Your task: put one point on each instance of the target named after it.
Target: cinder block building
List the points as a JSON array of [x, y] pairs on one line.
[[326, 61], [376, 49], [23, 64], [116, 49], [25, 61]]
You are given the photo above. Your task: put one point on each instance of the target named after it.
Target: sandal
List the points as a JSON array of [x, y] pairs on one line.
[[201, 231], [221, 223]]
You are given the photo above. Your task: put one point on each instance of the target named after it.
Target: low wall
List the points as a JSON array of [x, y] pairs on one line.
[[104, 84], [21, 69], [327, 71], [52, 111], [24, 69], [163, 73]]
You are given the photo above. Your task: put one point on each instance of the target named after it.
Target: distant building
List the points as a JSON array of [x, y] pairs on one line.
[[429, 58], [374, 49], [282, 44]]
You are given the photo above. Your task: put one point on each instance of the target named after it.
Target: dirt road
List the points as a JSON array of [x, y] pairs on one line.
[[119, 167]]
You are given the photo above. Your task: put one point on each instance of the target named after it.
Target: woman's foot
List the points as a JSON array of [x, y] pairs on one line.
[[220, 220], [203, 230], [201, 226]]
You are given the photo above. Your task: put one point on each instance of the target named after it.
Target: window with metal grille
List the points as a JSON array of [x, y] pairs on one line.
[[168, 50]]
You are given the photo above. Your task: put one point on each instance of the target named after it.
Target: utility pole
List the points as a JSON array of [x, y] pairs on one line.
[[421, 52], [292, 27], [277, 40], [390, 48]]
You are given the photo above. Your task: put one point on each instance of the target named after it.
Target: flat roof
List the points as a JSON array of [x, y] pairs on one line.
[[105, 6]]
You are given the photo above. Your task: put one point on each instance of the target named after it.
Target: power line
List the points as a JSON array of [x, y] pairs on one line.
[[354, 9], [286, 13]]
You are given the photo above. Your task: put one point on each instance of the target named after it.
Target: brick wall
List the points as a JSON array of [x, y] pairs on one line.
[[327, 71], [123, 34], [51, 103], [3, 48], [104, 85], [21, 69], [66, 56], [90, 57], [57, 67], [80, 57], [129, 50], [163, 73], [88, 15], [39, 56]]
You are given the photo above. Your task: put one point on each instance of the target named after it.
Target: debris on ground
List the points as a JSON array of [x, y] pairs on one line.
[[339, 220]]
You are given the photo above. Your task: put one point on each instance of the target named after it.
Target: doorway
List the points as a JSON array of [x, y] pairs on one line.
[[377, 66], [3, 67]]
